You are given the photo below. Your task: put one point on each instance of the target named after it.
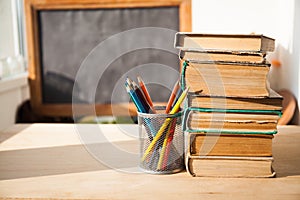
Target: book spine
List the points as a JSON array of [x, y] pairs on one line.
[[222, 57]]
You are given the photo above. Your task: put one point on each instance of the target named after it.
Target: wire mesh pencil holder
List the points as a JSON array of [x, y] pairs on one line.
[[161, 142]]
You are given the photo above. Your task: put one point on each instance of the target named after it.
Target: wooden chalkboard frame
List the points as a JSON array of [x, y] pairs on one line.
[[35, 80]]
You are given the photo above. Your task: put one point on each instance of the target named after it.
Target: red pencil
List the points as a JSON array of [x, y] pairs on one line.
[[172, 97], [146, 93], [169, 141]]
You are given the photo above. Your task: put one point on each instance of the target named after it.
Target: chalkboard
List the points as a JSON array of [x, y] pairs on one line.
[[63, 38], [68, 36]]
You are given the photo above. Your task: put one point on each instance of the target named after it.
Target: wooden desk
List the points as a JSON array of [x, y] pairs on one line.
[[49, 161]]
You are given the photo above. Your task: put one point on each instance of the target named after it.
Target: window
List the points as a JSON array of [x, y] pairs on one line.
[[12, 51]]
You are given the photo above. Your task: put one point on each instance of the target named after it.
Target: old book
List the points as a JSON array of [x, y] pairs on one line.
[[271, 102], [198, 56], [216, 144], [230, 80], [227, 166], [224, 42], [210, 120]]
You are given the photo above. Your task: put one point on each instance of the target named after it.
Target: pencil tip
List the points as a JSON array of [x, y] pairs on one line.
[[139, 78], [187, 89]]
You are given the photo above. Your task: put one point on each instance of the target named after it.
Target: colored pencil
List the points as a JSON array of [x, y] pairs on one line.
[[168, 147], [172, 97], [134, 98], [165, 124], [179, 92], [142, 97], [176, 107], [140, 108], [162, 151], [145, 91]]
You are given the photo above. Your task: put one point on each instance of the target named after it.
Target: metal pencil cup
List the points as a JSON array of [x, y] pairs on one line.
[[161, 142]]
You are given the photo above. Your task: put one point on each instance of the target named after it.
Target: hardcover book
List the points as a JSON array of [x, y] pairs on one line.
[[229, 166], [216, 144], [235, 57], [224, 42], [234, 80], [231, 112], [271, 102], [235, 121]]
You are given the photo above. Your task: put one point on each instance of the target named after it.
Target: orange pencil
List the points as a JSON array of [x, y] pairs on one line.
[[146, 93], [172, 97]]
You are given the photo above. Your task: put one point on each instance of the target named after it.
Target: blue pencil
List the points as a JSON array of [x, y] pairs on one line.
[[141, 109], [141, 97], [135, 98]]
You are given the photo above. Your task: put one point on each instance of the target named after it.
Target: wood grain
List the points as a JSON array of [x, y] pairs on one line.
[[48, 161]]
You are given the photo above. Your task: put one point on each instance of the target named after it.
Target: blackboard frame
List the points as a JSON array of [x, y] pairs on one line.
[[32, 32]]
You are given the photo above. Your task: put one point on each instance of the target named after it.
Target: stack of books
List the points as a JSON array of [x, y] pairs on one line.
[[231, 112]]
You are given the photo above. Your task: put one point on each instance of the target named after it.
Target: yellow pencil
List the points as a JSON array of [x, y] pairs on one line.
[[179, 101], [163, 149], [165, 124]]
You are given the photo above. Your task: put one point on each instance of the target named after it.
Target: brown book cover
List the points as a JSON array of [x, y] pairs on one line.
[[227, 166], [214, 144], [235, 57], [224, 42], [234, 80], [271, 102], [232, 121]]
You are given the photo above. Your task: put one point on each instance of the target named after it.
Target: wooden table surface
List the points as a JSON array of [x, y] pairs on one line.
[[50, 161]]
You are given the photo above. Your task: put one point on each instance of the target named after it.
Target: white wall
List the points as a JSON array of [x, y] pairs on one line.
[[279, 19], [6, 29], [13, 90]]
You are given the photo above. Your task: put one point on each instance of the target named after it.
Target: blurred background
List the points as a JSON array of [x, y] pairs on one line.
[[279, 19]]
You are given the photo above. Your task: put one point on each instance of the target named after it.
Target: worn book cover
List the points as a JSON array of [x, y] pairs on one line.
[[230, 166], [224, 42], [231, 120], [230, 79], [222, 56], [217, 144], [271, 102]]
